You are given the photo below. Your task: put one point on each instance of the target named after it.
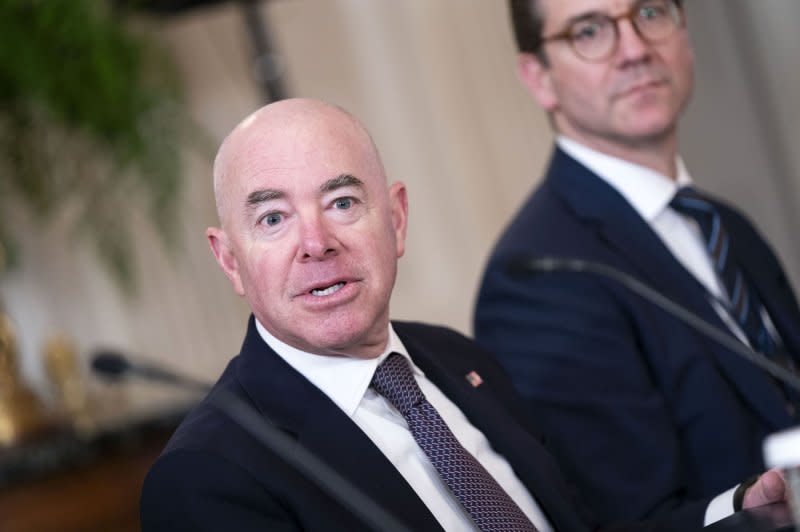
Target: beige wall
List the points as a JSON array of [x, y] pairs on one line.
[[740, 135], [434, 81]]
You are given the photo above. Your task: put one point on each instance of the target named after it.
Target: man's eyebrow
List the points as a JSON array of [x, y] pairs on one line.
[[588, 15], [343, 180], [257, 197], [260, 196]]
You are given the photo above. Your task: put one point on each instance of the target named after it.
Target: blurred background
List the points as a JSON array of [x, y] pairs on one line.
[[110, 115]]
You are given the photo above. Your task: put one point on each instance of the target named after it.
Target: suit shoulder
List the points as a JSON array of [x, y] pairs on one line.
[[448, 346], [537, 211], [420, 331], [205, 427], [745, 231]]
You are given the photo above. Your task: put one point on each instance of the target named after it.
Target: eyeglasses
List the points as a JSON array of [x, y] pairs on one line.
[[595, 37]]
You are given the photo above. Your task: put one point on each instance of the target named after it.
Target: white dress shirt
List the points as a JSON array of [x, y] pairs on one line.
[[346, 381], [650, 193]]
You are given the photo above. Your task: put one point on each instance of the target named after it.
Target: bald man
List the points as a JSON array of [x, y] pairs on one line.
[[310, 236]]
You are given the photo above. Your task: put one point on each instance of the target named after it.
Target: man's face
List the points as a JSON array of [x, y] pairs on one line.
[[632, 98], [311, 231]]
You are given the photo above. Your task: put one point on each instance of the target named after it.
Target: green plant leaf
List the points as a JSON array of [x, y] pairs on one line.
[[90, 116]]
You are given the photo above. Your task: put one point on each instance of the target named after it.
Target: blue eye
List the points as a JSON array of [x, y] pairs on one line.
[[343, 203], [273, 218]]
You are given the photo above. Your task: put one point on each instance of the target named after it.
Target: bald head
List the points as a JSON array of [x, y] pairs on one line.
[[304, 122]]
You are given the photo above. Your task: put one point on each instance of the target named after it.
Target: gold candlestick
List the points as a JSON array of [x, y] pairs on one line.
[[21, 413], [61, 363]]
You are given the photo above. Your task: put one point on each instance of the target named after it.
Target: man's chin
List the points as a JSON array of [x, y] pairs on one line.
[[647, 132], [343, 342], [650, 120]]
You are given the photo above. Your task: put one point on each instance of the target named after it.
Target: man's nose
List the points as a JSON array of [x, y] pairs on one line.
[[631, 47], [317, 239]]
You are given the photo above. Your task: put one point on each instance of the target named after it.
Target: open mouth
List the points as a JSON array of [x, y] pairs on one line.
[[320, 292]]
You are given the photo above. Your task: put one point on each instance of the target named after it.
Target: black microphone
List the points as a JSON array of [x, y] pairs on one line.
[[115, 366], [527, 266]]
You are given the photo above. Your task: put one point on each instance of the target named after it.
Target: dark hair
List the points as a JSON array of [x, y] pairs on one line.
[[527, 21]]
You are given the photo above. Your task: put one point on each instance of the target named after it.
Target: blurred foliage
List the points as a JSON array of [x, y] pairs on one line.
[[90, 125]]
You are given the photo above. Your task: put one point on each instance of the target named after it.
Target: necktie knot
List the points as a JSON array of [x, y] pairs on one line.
[[394, 380], [687, 191], [689, 202]]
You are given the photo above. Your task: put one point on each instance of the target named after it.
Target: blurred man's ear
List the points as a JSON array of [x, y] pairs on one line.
[[537, 78], [220, 246], [398, 202]]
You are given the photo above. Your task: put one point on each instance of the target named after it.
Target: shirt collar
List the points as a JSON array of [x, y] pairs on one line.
[[343, 379], [646, 190]]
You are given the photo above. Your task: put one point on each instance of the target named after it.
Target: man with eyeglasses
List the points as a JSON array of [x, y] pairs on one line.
[[645, 414]]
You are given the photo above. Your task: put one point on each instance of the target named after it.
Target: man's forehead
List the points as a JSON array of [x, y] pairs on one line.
[[287, 162], [293, 147], [303, 140]]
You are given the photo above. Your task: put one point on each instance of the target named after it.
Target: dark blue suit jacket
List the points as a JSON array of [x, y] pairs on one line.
[[643, 413], [213, 476]]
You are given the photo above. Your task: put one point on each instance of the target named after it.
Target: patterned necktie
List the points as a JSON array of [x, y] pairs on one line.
[[745, 305], [484, 500]]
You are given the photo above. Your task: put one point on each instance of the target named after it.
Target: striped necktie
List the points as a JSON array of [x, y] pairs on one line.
[[744, 303], [489, 506]]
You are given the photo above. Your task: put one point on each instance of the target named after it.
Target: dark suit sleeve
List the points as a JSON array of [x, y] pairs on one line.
[[199, 491], [573, 353]]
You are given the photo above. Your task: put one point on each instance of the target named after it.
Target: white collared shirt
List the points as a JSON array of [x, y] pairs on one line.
[[346, 381], [650, 193]]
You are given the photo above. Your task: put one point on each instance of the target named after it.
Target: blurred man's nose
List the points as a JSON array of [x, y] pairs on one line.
[[631, 47]]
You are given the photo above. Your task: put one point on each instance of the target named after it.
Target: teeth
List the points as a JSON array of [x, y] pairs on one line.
[[328, 291]]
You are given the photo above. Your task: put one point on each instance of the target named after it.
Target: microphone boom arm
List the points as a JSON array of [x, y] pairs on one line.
[[114, 366], [305, 462], [547, 265]]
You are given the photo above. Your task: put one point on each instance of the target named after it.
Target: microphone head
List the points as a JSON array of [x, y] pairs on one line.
[[110, 364], [532, 265]]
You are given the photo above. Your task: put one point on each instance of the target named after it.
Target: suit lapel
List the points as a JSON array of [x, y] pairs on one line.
[[321, 427], [296, 406], [622, 228], [525, 454]]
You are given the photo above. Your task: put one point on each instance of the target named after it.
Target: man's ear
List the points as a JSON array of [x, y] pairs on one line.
[[221, 247], [537, 78], [398, 202]]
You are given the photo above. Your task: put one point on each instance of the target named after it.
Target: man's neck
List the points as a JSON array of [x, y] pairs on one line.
[[658, 156]]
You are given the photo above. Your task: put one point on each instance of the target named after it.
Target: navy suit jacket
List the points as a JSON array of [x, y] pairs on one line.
[[214, 476], [643, 413]]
